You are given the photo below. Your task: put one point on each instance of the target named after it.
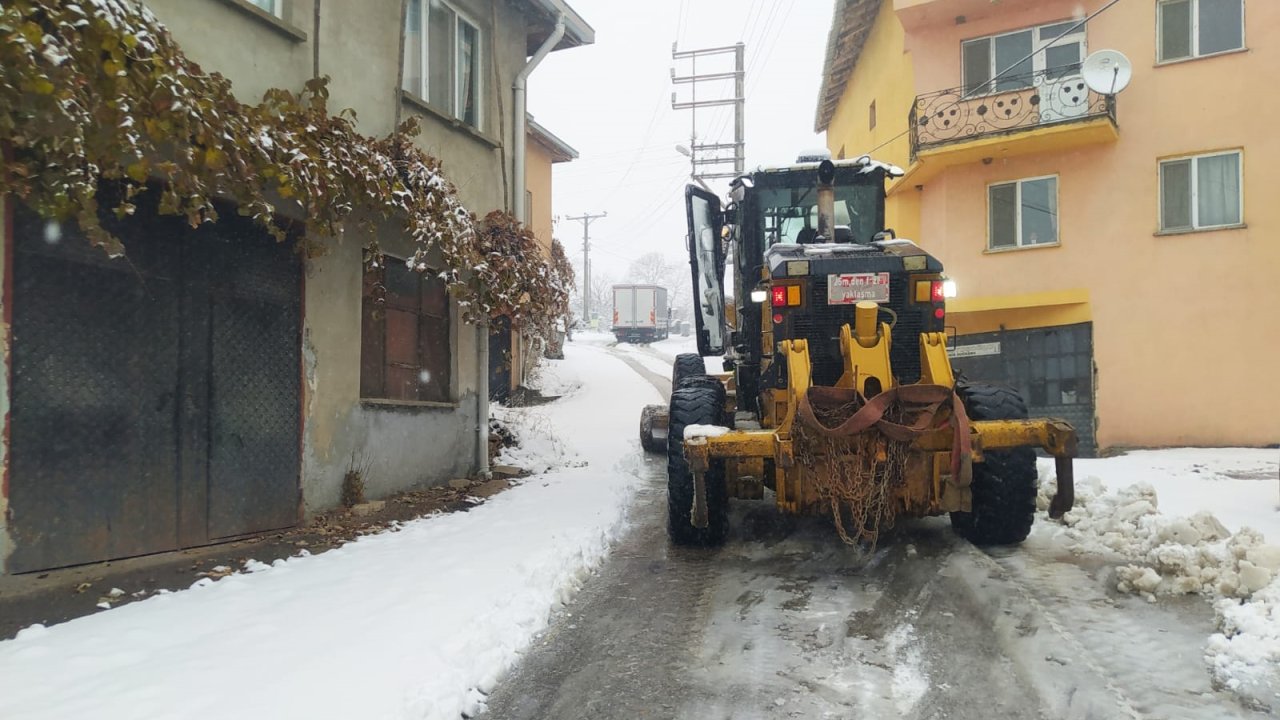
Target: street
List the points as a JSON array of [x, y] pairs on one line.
[[563, 598], [578, 359], [784, 621]]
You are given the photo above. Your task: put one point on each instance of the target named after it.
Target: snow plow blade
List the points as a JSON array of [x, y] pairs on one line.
[[1055, 437]]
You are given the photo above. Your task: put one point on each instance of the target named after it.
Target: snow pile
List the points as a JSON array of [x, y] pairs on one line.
[[1245, 655], [551, 379], [1176, 555], [1181, 555], [704, 431], [417, 622], [538, 449]]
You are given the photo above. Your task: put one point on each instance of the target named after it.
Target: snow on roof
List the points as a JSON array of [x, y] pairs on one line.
[[867, 163]]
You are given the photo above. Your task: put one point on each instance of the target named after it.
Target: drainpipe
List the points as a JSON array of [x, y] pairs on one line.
[[520, 126], [519, 129], [482, 400]]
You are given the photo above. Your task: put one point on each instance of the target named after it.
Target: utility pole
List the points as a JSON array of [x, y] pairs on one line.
[[709, 155], [586, 219]]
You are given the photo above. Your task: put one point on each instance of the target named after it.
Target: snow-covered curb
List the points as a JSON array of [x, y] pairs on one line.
[[1165, 555]]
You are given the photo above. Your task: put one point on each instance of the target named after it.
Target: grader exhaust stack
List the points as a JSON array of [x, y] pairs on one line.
[[838, 395]]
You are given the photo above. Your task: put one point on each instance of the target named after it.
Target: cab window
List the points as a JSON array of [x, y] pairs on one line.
[[790, 215]]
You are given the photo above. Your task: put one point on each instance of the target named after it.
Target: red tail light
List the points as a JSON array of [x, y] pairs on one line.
[[779, 296], [936, 293]]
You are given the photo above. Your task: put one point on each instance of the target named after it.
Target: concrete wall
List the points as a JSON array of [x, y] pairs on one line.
[[404, 444], [407, 444], [1182, 323]]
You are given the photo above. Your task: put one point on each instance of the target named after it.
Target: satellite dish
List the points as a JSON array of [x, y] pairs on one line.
[[1107, 72]]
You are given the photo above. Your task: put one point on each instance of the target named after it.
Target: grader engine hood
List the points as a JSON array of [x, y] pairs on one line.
[[822, 283], [892, 256]]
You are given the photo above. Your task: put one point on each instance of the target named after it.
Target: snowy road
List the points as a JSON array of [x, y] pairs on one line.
[[561, 598], [785, 622]]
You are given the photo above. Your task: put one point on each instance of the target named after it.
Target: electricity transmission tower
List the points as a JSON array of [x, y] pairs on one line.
[[586, 219], [708, 160]]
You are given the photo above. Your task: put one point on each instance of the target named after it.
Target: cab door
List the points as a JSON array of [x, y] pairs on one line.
[[706, 262]]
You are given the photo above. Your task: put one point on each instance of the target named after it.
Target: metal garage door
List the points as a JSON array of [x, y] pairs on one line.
[[155, 399], [1051, 367]]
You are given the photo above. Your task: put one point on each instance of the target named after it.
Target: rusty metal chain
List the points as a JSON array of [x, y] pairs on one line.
[[856, 476]]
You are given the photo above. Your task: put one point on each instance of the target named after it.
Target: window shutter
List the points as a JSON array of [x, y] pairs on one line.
[[1175, 195], [1040, 211], [372, 337], [440, 56], [1218, 190], [1003, 213], [1221, 26], [1175, 30], [1012, 52], [434, 339], [977, 66]]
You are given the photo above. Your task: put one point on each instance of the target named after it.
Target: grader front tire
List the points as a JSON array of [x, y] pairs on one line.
[[694, 406], [1004, 484]]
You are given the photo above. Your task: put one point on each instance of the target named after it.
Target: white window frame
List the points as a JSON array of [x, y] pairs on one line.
[[276, 8], [478, 70], [423, 13], [1195, 33], [423, 90], [1195, 191], [1017, 183], [1038, 58]]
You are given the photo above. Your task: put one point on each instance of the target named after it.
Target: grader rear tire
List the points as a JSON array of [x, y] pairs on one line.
[[694, 406], [686, 365], [1004, 484]]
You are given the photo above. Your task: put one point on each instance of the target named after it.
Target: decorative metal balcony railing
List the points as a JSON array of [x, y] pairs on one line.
[[1010, 104]]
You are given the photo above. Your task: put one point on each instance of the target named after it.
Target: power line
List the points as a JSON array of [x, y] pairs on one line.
[[777, 36], [754, 6], [664, 200], [759, 59]]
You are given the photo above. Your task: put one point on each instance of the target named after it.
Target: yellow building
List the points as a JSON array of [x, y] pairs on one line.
[[510, 354], [1113, 253], [543, 151]]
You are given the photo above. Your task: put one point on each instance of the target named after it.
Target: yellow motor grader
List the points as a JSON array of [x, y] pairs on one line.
[[838, 393]]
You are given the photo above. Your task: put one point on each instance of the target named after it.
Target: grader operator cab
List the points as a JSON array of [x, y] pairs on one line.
[[838, 393]]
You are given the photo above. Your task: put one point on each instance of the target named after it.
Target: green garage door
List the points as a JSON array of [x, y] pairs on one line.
[[1051, 367]]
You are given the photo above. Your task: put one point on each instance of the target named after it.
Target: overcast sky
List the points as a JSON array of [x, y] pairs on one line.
[[612, 102]]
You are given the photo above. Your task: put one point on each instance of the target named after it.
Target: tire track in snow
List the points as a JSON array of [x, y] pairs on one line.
[[1081, 652]]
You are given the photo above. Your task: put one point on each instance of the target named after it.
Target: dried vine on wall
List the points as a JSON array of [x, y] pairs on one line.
[[98, 90]]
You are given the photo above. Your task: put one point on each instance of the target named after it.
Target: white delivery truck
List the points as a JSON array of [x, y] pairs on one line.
[[640, 313]]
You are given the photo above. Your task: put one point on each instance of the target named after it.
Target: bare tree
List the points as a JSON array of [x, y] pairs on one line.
[[657, 269], [602, 295], [650, 269]]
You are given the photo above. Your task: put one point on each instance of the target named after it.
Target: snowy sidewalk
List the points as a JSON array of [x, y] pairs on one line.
[[409, 624]]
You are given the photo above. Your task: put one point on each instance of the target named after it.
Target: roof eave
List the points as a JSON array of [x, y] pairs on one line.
[[851, 23], [560, 150], [576, 30]]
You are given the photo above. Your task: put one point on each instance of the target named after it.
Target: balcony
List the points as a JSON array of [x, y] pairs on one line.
[[1021, 115]]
